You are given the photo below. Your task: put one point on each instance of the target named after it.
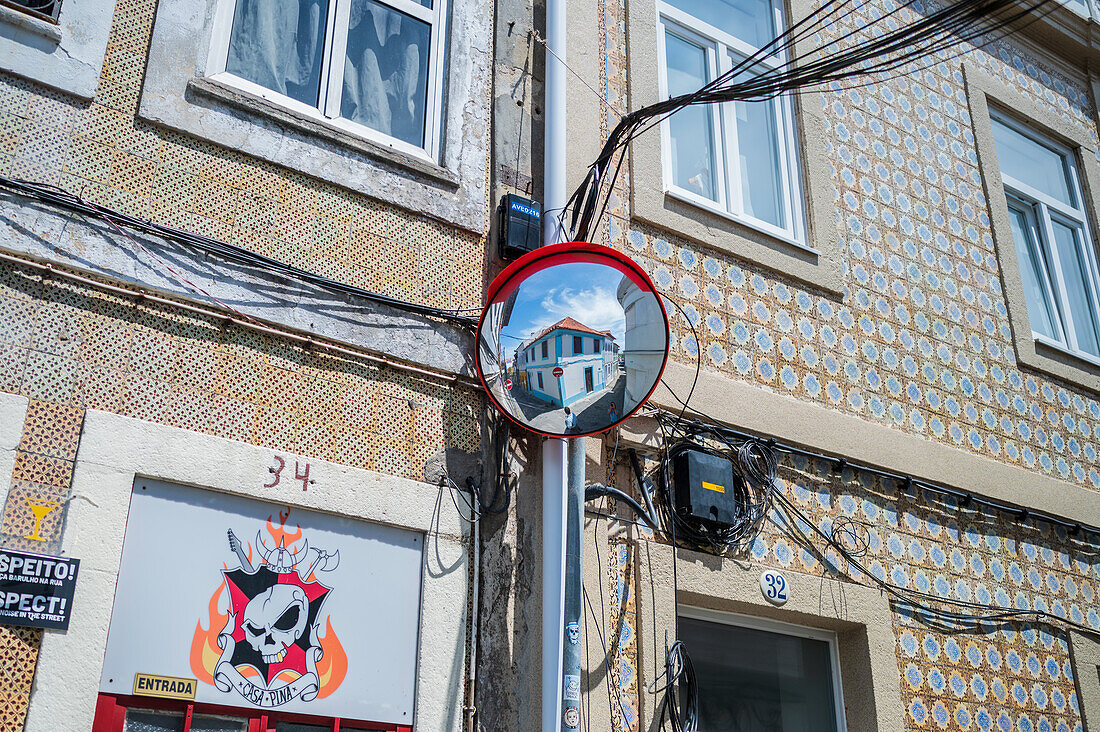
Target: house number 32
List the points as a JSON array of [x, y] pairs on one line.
[[774, 586]]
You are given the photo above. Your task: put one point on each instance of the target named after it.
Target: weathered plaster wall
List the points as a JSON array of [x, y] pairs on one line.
[[66, 55]]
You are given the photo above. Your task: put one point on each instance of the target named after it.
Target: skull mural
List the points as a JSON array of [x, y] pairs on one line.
[[274, 620]]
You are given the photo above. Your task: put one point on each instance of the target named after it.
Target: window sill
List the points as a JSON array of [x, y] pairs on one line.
[[763, 228], [684, 216], [39, 26], [254, 104], [1087, 360]]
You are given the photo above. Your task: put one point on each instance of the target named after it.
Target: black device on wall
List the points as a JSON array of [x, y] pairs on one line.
[[707, 487], [520, 226]]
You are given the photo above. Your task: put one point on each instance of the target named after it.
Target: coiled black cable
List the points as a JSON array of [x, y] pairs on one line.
[[680, 702]]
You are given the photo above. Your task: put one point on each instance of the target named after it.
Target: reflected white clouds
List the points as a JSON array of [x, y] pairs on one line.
[[567, 290]]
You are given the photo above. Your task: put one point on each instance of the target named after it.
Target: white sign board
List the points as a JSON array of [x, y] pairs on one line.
[[268, 607]]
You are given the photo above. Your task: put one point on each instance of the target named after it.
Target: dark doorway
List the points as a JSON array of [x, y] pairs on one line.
[[588, 385]]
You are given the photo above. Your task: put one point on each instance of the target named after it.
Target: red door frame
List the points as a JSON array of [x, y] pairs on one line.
[[110, 715]]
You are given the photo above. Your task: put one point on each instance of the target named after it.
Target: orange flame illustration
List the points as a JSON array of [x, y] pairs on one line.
[[279, 533], [204, 645], [333, 666]]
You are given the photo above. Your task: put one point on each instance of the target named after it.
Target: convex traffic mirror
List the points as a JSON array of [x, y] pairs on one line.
[[573, 339]]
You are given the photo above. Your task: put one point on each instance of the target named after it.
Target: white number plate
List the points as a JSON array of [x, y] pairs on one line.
[[774, 587]]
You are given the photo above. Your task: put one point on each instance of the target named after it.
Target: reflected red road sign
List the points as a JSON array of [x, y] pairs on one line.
[[508, 384], [557, 371]]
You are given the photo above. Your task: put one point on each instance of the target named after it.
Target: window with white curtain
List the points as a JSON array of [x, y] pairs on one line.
[[738, 157], [1051, 233], [367, 67]]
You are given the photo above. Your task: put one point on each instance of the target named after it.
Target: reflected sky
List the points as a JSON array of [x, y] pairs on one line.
[[582, 291]]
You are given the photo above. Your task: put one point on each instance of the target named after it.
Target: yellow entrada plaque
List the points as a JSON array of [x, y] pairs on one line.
[[165, 687]]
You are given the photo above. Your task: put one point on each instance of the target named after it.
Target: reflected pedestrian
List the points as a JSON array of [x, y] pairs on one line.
[[613, 413], [570, 420]]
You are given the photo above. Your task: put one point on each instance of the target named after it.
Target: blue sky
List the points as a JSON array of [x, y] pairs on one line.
[[585, 292]]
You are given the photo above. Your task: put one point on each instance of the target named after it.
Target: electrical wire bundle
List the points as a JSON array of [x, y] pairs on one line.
[[753, 461], [228, 252], [850, 540], [879, 46], [942, 613]]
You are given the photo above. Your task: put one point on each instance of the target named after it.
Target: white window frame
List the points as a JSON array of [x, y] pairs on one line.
[[327, 110], [1040, 211], [720, 46], [775, 626]]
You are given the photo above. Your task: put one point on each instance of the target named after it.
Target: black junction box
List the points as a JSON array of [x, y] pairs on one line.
[[707, 488], [520, 226]]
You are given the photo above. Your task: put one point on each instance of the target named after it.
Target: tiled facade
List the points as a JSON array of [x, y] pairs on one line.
[[921, 342], [104, 153], [69, 347], [921, 339], [1007, 675]]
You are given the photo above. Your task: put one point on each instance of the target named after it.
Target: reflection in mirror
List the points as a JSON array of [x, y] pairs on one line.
[[573, 348]]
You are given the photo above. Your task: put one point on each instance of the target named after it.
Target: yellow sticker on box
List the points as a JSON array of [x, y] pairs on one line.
[[165, 687], [714, 487]]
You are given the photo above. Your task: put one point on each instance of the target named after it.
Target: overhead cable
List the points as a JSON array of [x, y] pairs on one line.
[[880, 45], [229, 252]]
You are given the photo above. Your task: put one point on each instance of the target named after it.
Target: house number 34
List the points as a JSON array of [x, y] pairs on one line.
[[775, 587]]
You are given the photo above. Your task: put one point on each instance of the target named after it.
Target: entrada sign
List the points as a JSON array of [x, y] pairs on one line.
[[36, 590], [164, 687]]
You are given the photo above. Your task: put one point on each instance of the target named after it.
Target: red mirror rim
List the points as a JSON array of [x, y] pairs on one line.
[[574, 251]]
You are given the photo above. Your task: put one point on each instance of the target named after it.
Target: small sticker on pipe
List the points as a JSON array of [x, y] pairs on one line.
[[572, 691]]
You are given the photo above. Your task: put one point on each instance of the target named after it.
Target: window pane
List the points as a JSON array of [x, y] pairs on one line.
[[1079, 287], [152, 722], [218, 724], [690, 128], [386, 71], [1039, 307], [762, 193], [751, 21], [1029, 162], [277, 44], [757, 680], [298, 727]]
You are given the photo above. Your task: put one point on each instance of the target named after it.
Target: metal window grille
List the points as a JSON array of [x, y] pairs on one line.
[[43, 8]]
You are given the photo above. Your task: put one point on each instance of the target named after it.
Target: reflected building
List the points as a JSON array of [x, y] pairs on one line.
[[643, 341], [585, 356]]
